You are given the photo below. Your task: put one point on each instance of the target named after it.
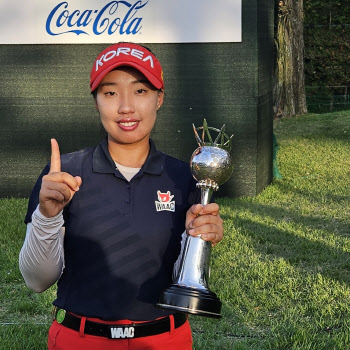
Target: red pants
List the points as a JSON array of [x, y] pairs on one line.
[[63, 338]]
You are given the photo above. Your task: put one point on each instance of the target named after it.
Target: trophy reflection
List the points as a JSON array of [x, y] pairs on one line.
[[211, 165]]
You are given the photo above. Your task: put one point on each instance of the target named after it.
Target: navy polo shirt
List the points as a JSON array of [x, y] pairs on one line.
[[122, 238]]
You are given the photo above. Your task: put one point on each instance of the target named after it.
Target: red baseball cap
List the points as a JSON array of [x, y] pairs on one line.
[[127, 54]]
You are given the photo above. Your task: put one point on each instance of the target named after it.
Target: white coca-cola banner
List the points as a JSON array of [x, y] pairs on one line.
[[104, 21]]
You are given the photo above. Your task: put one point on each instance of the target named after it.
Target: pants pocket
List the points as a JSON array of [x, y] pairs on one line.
[[53, 333]]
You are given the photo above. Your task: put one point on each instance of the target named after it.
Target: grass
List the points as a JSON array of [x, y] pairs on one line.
[[282, 271]]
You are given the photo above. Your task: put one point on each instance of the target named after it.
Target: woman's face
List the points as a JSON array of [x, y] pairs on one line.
[[128, 105]]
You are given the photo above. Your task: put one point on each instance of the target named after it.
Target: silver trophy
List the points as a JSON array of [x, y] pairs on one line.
[[211, 166]]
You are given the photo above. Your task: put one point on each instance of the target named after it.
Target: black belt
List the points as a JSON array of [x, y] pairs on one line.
[[119, 331]]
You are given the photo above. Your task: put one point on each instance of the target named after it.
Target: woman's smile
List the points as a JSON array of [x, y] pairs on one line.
[[128, 125]]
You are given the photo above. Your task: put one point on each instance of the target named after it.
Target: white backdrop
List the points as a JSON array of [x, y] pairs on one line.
[[105, 21]]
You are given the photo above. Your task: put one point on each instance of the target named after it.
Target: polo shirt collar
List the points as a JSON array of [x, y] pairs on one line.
[[102, 161]]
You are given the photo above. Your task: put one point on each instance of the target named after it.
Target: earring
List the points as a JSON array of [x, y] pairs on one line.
[[158, 107]]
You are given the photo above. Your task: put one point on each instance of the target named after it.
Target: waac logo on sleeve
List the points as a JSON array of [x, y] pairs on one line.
[[165, 201]]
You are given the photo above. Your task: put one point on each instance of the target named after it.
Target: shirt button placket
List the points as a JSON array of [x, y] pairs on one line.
[[128, 200]]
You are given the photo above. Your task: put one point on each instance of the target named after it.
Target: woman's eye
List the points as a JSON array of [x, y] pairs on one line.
[[140, 91], [110, 93]]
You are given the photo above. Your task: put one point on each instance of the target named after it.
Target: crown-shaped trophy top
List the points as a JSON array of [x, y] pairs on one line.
[[222, 140]]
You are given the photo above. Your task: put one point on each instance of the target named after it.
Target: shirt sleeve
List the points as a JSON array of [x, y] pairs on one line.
[[34, 196], [41, 259]]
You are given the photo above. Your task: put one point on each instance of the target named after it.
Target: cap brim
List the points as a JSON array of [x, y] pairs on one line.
[[158, 84]]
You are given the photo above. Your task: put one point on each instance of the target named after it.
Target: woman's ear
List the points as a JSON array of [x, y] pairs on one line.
[[94, 95], [96, 104], [160, 98]]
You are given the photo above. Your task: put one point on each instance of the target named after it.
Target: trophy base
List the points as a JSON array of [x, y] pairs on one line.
[[190, 300]]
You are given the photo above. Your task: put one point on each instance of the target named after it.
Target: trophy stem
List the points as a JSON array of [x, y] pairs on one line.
[[206, 194]]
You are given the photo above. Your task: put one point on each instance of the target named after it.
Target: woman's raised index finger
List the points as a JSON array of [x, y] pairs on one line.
[[55, 166]]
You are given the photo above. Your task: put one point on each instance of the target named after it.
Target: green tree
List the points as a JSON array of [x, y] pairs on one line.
[[327, 12], [327, 53]]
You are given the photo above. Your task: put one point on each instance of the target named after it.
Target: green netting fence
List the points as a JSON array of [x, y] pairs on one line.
[[324, 99]]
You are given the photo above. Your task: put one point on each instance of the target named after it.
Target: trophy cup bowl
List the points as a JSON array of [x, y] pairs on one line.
[[211, 165]]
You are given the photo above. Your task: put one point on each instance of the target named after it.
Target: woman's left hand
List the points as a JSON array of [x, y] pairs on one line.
[[205, 221]]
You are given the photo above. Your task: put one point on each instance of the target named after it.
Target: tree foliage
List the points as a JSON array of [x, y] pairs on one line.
[[327, 52], [327, 56], [327, 42], [326, 12]]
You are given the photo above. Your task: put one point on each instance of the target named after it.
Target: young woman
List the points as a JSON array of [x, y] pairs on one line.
[[94, 223]]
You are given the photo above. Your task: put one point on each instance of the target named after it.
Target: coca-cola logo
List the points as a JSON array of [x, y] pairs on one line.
[[116, 17]]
